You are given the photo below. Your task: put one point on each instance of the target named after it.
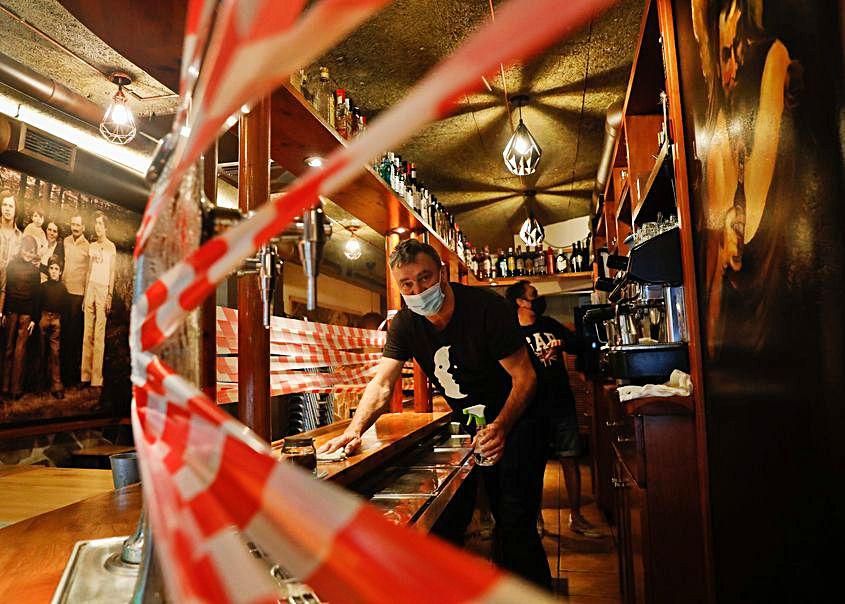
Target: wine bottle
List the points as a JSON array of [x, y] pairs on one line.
[[561, 262], [528, 267], [340, 116], [324, 101], [511, 263]]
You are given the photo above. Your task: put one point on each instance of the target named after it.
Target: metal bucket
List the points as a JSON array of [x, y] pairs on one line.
[[124, 469]]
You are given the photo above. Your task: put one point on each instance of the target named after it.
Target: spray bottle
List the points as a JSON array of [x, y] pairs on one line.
[[476, 413]]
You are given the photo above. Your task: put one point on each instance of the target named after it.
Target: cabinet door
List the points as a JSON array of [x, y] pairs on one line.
[[631, 517], [635, 499]]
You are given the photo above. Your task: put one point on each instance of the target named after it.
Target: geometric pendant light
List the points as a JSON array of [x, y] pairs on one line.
[[522, 153], [118, 125]]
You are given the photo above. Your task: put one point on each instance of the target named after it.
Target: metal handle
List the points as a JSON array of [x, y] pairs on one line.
[[619, 439], [611, 424], [619, 483]]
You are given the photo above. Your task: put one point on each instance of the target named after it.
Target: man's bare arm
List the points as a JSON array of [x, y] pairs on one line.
[[491, 440], [372, 404]]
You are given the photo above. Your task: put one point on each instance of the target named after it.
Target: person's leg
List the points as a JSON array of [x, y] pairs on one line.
[[87, 340], [567, 446], [9, 352], [515, 487], [453, 522], [20, 354], [72, 341], [56, 386], [99, 336]]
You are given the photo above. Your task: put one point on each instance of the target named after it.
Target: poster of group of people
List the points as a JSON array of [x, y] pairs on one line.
[[65, 293]]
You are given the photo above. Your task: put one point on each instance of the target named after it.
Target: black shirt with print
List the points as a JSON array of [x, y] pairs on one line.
[[463, 358], [554, 396]]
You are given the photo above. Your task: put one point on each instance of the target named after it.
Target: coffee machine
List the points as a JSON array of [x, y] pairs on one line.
[[645, 322]]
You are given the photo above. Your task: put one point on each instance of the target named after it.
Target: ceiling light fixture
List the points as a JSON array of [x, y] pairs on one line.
[[118, 125], [522, 153], [352, 249], [314, 161], [532, 232]]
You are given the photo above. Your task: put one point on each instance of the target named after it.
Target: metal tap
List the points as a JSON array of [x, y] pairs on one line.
[[269, 268], [315, 231]]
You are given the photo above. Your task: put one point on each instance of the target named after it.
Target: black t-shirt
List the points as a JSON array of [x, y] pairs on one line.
[[554, 396], [463, 358]]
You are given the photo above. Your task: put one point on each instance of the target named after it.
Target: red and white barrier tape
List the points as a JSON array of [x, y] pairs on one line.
[[210, 483]]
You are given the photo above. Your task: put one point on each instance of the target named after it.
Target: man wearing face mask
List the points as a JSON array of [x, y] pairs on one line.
[[468, 343], [547, 339]]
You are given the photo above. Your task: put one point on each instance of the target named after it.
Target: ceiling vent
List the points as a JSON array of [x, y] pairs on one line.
[[44, 147]]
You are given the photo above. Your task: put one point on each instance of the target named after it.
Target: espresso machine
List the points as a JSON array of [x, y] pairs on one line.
[[645, 320]]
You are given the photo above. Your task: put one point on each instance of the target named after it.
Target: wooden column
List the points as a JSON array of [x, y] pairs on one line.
[[253, 338], [208, 310], [422, 391], [394, 302]]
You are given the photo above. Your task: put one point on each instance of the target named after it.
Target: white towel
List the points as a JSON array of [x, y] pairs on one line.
[[338, 455], [679, 384]]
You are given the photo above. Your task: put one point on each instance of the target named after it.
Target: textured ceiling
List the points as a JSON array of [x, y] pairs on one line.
[[85, 67], [459, 158]]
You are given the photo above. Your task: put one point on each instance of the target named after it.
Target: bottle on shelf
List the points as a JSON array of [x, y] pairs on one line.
[[549, 260], [341, 113], [494, 264], [575, 258], [353, 120], [561, 262], [486, 264], [539, 261], [586, 260], [519, 262], [362, 126], [324, 101], [528, 263], [305, 87], [511, 263]]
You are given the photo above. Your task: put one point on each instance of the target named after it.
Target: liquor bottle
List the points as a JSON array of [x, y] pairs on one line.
[[305, 87], [324, 101], [348, 111], [575, 259], [586, 260], [529, 261], [459, 242], [561, 262], [511, 263], [341, 117], [486, 263], [494, 265], [387, 167], [549, 261], [539, 261], [473, 263], [519, 261], [414, 187], [353, 120], [362, 124]]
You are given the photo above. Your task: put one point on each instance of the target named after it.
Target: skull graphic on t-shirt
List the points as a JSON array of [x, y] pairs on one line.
[[443, 373]]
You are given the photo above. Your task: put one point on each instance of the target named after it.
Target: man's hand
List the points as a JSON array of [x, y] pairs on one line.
[[349, 442], [489, 441], [30, 327]]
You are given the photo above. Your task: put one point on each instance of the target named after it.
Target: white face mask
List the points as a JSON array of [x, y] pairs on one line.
[[426, 303]]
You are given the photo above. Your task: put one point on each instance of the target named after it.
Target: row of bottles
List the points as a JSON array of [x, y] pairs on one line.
[[532, 261], [402, 177], [337, 109], [333, 105]]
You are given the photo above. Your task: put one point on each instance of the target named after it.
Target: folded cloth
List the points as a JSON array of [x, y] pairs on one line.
[[679, 384], [338, 455]]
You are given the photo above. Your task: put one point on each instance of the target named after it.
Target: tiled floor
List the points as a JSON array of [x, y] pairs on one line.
[[585, 568]]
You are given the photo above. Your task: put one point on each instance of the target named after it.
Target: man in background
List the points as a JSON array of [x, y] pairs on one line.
[[546, 339], [75, 276], [98, 294], [19, 293]]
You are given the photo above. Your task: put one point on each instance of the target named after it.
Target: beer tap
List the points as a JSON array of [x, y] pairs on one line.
[[315, 231], [269, 268]]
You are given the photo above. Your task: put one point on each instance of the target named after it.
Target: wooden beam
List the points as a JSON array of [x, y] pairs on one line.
[[253, 337], [394, 302], [208, 310]]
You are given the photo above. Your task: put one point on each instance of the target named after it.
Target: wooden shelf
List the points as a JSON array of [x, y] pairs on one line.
[[652, 200], [623, 206], [298, 132], [559, 278]]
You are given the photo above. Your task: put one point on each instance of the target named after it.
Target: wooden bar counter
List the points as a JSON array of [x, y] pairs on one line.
[[34, 552]]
